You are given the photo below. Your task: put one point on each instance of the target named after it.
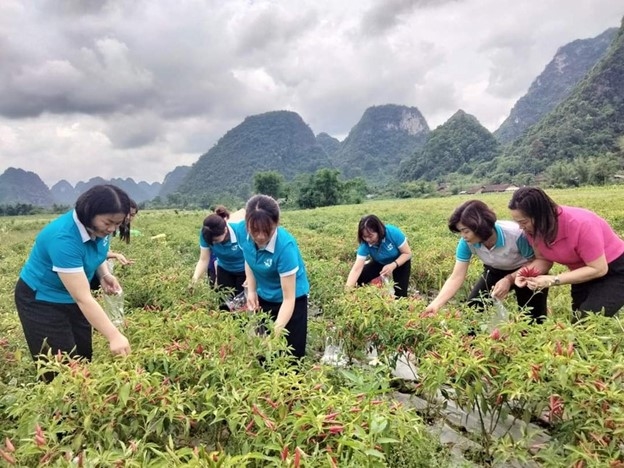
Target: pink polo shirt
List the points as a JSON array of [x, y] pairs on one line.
[[582, 237]]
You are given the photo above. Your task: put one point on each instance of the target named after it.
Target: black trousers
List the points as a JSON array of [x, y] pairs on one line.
[[400, 276], [228, 279], [297, 326], [605, 292], [53, 327], [535, 300]]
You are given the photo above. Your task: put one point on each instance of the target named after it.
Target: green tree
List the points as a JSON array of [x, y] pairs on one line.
[[269, 183], [323, 188]]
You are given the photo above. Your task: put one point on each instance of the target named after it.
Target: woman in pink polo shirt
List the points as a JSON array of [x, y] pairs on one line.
[[579, 239]]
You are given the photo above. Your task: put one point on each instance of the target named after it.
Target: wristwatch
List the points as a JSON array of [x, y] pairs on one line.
[[556, 281]]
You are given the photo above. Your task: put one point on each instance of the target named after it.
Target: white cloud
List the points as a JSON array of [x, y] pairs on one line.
[[133, 89]]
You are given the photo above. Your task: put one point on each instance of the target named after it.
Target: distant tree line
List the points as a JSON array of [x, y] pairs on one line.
[[19, 209]]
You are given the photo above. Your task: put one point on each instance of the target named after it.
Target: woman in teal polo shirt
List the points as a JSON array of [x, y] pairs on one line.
[[52, 295], [276, 275], [218, 237], [384, 251]]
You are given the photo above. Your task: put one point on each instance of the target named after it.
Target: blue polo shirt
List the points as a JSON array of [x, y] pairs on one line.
[[63, 246], [387, 250], [280, 257], [511, 251], [229, 253]]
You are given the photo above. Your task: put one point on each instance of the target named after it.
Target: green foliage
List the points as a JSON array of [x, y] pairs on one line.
[[456, 146], [587, 123], [375, 146], [275, 141], [193, 391], [322, 189], [269, 183], [571, 64]]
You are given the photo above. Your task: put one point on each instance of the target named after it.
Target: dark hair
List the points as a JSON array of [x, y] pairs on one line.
[[371, 223], [215, 224], [101, 199], [124, 228], [262, 214], [476, 216], [543, 211]]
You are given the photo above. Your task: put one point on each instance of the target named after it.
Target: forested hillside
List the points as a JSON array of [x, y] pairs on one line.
[[384, 136], [568, 67], [275, 141], [590, 122], [459, 145]]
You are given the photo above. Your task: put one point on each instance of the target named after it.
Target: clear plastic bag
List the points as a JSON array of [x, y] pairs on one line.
[[238, 302], [334, 354], [384, 283], [114, 307], [501, 315]]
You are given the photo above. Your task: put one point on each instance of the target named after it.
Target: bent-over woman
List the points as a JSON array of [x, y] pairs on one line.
[[383, 251]]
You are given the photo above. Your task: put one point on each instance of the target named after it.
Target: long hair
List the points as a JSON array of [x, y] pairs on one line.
[[540, 208], [371, 223], [101, 199], [476, 216], [124, 228]]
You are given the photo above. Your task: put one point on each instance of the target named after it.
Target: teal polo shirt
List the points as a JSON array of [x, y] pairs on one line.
[[228, 253], [280, 257], [387, 250], [63, 246]]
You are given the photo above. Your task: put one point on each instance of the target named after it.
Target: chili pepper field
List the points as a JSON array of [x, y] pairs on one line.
[[202, 388]]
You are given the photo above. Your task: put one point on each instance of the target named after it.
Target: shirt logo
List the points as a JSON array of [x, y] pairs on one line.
[[389, 246], [268, 262]]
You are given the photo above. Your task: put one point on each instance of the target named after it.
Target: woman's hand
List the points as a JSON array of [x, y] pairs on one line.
[[252, 300], [123, 260], [119, 345], [501, 288], [109, 283], [539, 282], [387, 270]]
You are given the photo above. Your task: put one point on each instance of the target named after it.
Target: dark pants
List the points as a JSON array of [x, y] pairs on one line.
[[400, 276], [534, 300], [605, 292], [227, 279], [297, 326], [52, 327]]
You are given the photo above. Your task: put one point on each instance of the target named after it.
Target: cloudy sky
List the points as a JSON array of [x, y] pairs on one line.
[[134, 88]]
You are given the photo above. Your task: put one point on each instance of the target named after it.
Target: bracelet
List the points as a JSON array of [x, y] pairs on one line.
[[396, 263], [105, 275]]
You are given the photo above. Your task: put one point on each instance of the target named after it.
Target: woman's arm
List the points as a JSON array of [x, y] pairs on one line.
[[356, 271], [287, 308], [119, 257], [450, 287], [237, 215], [252, 292], [405, 253], [202, 264], [590, 271], [78, 287]]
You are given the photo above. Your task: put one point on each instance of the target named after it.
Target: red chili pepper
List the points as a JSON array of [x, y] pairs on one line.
[[335, 429], [495, 335], [284, 453], [297, 459], [8, 457], [528, 272], [9, 445]]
